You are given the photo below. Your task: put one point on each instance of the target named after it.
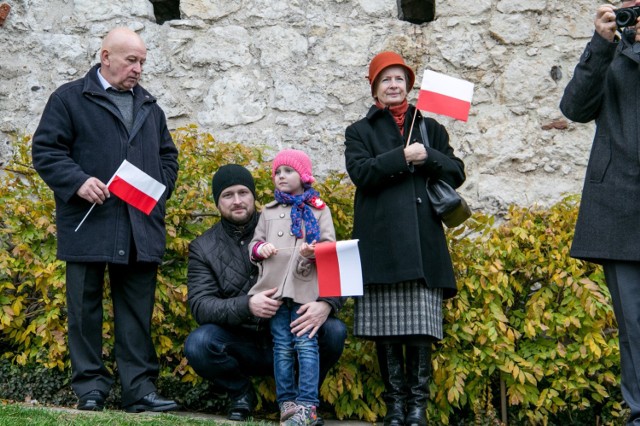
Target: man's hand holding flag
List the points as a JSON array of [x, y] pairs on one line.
[[134, 187]]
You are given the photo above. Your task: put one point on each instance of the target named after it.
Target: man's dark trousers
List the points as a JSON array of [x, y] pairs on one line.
[[230, 356], [132, 289], [623, 281]]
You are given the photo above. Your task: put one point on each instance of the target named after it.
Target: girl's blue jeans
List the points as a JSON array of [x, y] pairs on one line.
[[286, 346]]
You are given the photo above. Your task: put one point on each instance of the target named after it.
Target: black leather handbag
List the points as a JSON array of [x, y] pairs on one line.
[[452, 209]]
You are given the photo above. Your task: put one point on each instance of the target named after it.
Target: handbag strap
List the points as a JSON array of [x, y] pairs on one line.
[[425, 136], [423, 131]]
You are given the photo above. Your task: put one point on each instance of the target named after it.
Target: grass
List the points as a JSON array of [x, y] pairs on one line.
[[21, 415]]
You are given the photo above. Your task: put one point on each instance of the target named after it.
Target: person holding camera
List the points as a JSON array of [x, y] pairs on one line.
[[604, 89], [406, 265]]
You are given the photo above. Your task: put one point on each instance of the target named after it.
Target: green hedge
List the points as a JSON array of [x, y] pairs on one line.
[[530, 338]]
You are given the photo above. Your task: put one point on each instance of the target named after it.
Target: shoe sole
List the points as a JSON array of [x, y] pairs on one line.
[[142, 408], [92, 408], [310, 424], [238, 415]]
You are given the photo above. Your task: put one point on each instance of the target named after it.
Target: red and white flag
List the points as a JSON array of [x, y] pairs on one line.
[[445, 95], [135, 187], [339, 269]]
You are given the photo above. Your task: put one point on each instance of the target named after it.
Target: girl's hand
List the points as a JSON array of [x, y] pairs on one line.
[[308, 250], [267, 250]]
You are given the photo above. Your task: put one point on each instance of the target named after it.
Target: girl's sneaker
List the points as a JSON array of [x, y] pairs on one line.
[[305, 416], [287, 409]]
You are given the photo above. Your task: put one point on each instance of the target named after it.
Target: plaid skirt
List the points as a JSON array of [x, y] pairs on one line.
[[399, 309]]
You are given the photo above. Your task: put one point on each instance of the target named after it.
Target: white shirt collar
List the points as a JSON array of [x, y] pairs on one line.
[[105, 83]]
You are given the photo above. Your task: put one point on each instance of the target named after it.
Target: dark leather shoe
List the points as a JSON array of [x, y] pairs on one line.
[[152, 402], [395, 415], [393, 421], [241, 408], [416, 416], [92, 401]]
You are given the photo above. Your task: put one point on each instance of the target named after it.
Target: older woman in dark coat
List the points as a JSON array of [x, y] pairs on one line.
[[406, 264]]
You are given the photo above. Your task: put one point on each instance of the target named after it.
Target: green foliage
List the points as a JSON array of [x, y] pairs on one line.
[[32, 318], [35, 382], [528, 318], [354, 388]]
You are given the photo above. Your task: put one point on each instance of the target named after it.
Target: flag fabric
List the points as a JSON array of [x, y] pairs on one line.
[[445, 95], [339, 269], [135, 187]]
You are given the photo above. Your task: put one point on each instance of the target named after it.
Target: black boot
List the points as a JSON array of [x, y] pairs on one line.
[[418, 378], [391, 361]]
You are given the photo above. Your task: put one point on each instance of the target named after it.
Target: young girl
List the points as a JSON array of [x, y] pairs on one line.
[[283, 246]]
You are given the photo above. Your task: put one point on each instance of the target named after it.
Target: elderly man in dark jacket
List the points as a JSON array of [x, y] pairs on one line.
[[89, 126], [604, 88], [233, 341]]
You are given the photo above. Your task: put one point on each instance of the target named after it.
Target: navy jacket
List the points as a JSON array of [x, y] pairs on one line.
[[81, 134], [401, 238], [605, 88]]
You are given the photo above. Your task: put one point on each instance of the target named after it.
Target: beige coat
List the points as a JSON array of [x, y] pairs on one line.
[[295, 276]]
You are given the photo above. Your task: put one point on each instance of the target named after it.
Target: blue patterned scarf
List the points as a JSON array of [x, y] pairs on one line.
[[300, 211]]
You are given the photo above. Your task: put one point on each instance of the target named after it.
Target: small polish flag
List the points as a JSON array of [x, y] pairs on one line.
[[135, 187], [445, 95], [339, 270]]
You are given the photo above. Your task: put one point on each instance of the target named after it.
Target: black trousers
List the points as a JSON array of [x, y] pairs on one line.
[[230, 356], [132, 292], [623, 280]]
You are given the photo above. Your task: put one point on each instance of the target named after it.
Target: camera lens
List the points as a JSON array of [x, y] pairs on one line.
[[625, 17]]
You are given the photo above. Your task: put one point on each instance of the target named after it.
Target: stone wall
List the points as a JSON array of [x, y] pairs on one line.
[[291, 73]]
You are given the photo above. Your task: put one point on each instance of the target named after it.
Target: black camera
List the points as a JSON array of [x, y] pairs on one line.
[[627, 16]]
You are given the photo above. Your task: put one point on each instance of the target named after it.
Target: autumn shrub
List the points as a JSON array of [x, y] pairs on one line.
[[530, 338], [531, 328]]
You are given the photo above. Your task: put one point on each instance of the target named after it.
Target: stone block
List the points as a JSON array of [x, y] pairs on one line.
[[4, 12]]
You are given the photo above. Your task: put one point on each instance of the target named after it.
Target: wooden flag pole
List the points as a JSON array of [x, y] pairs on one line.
[[411, 128]]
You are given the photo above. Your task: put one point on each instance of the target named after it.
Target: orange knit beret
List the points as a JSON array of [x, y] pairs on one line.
[[386, 59]]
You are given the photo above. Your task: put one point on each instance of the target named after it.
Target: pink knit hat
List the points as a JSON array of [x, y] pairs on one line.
[[297, 160]]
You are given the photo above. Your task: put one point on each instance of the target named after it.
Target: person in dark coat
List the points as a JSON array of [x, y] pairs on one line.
[[88, 127], [233, 341], [406, 265], [604, 89]]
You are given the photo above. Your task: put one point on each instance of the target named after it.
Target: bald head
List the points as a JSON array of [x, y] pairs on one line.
[[122, 56], [121, 36]]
